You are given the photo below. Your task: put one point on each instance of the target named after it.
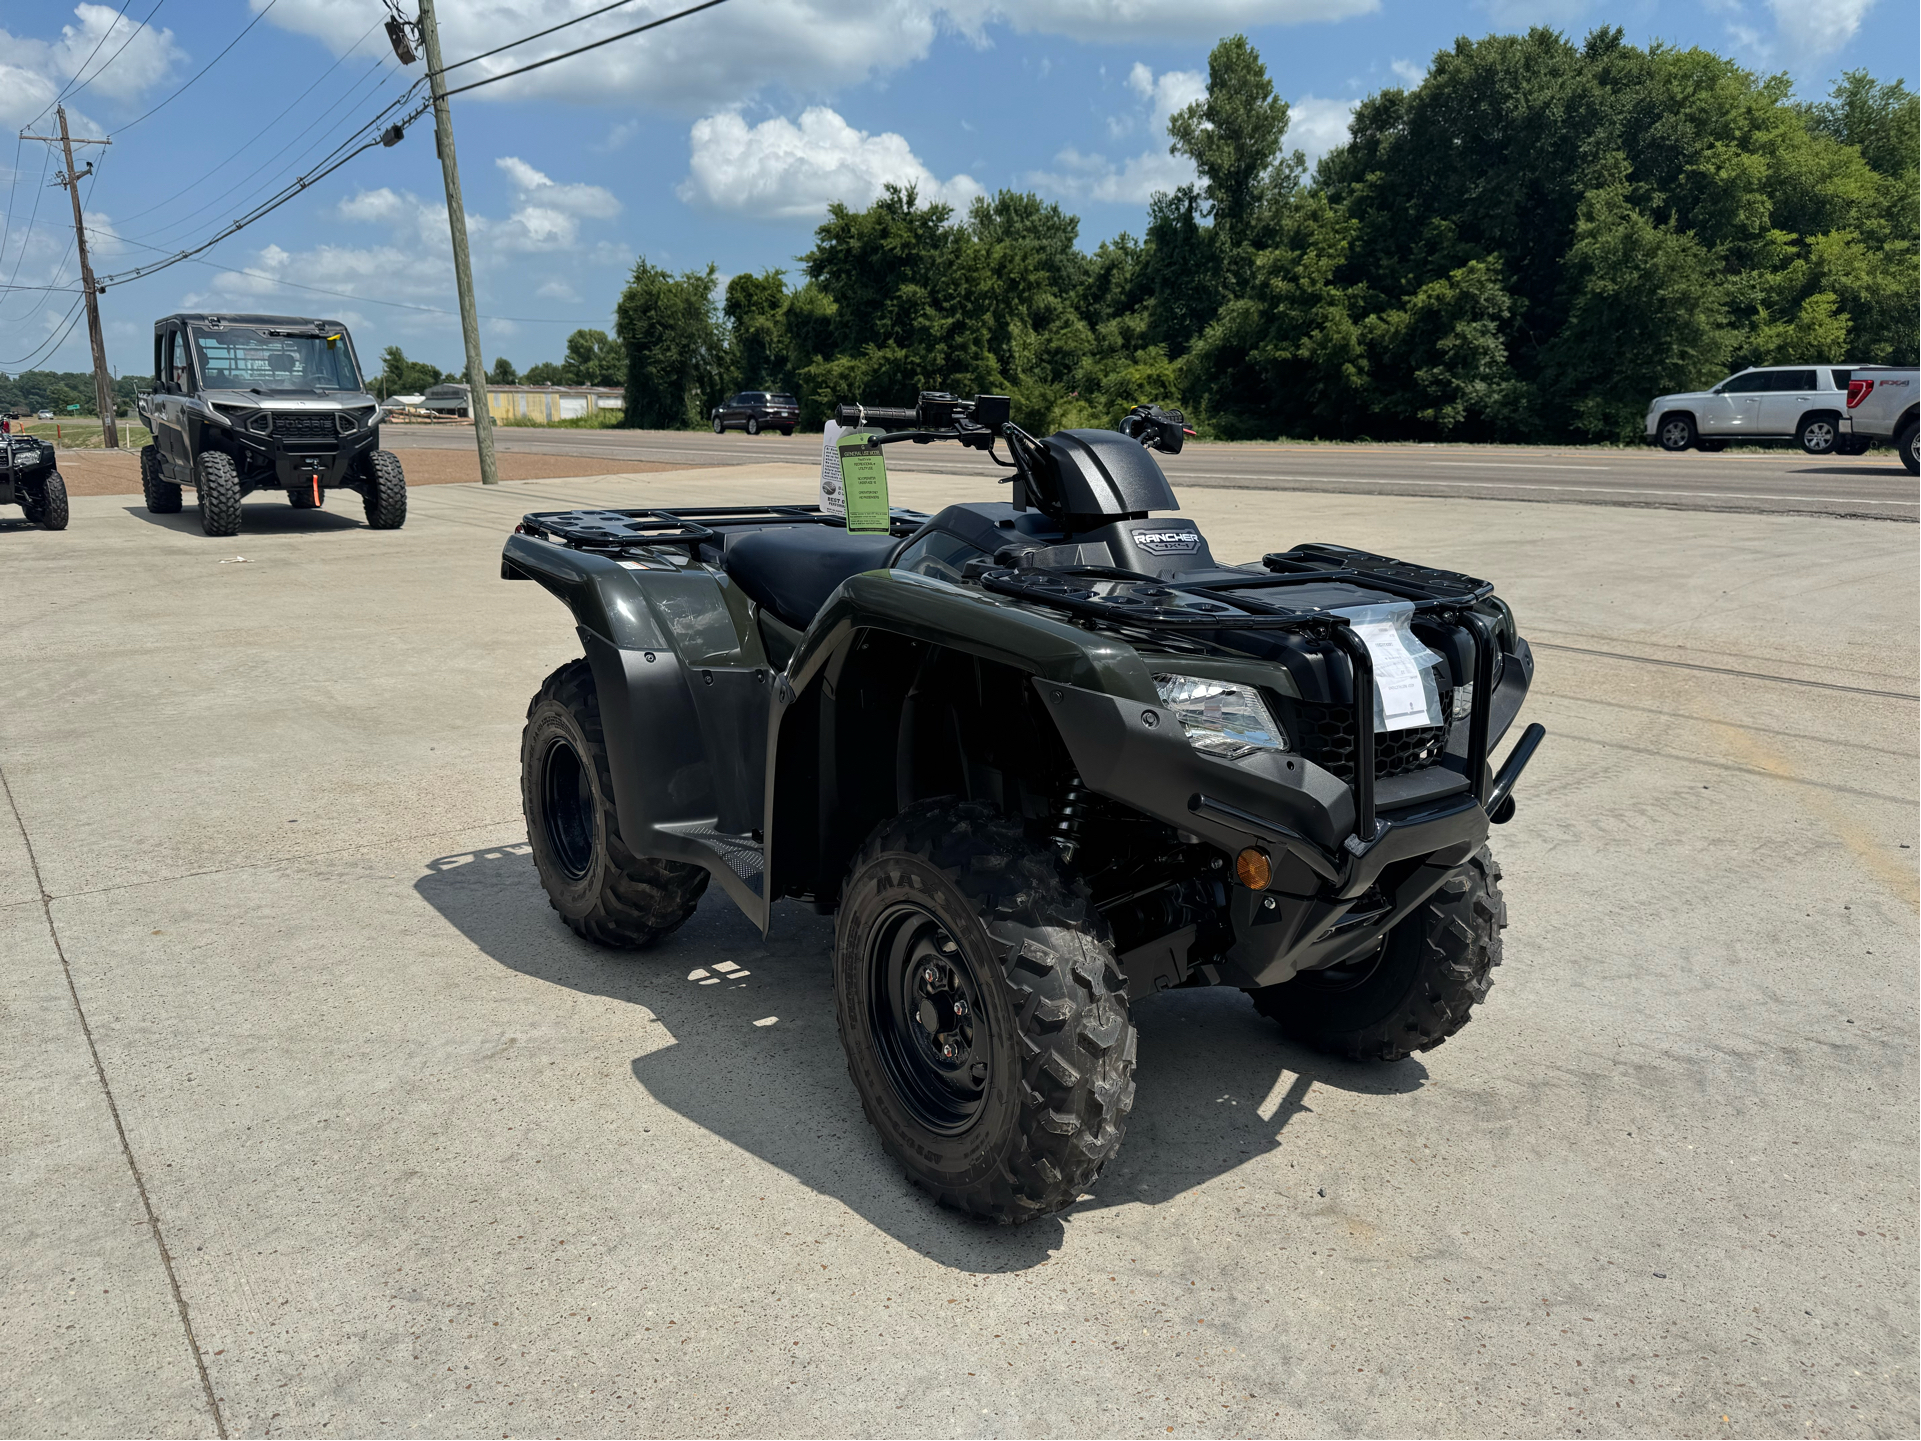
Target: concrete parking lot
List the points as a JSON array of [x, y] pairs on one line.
[[317, 1121]]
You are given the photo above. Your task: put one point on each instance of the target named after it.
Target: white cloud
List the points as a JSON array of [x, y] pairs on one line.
[[1519, 14], [806, 47], [1812, 28], [1408, 73], [1167, 92], [1316, 126], [558, 290], [1095, 177], [780, 170], [593, 201], [33, 72]]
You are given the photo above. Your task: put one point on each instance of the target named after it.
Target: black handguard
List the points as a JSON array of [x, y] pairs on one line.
[[1157, 429]]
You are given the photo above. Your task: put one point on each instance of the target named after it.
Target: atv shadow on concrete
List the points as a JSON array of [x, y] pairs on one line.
[[267, 519], [1221, 1090]]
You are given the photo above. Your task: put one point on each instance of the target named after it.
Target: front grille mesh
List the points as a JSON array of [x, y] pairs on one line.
[[304, 427], [1324, 734]]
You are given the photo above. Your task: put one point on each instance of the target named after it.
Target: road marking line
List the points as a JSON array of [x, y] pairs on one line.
[[1510, 485], [1514, 465]]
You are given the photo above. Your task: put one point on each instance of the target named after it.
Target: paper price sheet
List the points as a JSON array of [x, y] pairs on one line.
[[1397, 676]]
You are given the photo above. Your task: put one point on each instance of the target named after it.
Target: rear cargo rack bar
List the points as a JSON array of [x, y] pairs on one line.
[[691, 526]]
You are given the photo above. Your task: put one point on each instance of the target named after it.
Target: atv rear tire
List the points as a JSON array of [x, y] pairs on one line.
[[599, 886], [384, 490], [48, 508], [982, 1011], [162, 496], [217, 489], [1413, 993]]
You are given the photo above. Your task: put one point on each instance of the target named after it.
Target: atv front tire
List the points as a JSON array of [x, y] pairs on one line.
[[217, 489], [982, 1011], [48, 508], [599, 886], [384, 491], [1413, 993], [162, 496]]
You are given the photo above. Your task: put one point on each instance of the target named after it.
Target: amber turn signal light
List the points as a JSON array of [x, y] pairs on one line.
[[1253, 869]]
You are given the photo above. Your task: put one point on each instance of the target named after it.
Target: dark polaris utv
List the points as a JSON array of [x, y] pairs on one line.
[[1044, 758], [30, 479], [262, 402]]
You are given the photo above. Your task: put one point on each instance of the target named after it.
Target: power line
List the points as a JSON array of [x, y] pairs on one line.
[[27, 238], [192, 79], [83, 84], [581, 49], [511, 44], [72, 317], [187, 191]]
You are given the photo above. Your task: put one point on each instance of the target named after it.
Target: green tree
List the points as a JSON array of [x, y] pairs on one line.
[[593, 358], [756, 308], [503, 372], [1233, 135], [1880, 119], [675, 348], [401, 376], [546, 372]]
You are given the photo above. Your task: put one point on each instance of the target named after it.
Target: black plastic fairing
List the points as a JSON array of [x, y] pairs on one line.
[[1104, 475]]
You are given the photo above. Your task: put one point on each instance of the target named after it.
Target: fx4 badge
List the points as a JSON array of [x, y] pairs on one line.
[[1165, 542]]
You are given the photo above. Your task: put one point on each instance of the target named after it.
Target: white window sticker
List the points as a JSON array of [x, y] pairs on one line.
[[1397, 676], [833, 499]]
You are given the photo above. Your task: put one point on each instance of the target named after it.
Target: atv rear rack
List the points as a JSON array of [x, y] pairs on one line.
[[613, 531]]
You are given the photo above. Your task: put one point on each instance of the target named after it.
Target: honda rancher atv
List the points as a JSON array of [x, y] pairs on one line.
[[1044, 758], [29, 480], [262, 402]]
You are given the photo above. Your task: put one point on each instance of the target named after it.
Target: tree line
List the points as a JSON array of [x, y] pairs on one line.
[[1531, 243], [64, 392]]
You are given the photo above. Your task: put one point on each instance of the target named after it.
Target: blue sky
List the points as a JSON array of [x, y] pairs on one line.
[[721, 138]]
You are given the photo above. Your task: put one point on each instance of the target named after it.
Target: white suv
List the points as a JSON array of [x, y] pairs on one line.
[[1802, 403]]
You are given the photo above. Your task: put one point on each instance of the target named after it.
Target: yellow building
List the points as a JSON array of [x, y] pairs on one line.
[[545, 404]]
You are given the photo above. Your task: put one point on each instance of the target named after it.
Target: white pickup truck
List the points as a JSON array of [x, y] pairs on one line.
[[1803, 403], [1881, 410]]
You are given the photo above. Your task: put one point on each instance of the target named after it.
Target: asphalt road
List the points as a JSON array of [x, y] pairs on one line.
[[315, 1120], [1870, 487]]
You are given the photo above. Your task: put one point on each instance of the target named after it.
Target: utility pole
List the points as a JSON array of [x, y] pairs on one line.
[[463, 266], [102, 381]]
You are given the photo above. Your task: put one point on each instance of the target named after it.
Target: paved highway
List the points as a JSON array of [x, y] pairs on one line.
[[1873, 486]]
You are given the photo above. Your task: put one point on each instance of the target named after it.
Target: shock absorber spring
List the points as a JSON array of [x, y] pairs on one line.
[[1069, 829]]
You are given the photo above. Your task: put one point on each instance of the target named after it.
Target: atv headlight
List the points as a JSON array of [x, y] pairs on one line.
[[1223, 718]]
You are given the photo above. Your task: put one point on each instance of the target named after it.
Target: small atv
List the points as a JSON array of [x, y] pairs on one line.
[[262, 402], [30, 480], [1043, 758]]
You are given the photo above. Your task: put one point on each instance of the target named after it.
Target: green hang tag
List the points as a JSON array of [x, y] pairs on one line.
[[863, 477]]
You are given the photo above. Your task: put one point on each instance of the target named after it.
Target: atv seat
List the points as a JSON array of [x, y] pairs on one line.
[[791, 570]]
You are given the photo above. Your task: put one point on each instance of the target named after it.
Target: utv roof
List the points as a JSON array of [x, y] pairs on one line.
[[278, 322]]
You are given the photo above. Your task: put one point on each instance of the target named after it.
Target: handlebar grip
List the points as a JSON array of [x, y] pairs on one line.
[[875, 415]]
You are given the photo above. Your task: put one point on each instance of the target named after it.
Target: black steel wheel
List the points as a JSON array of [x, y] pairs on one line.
[[1819, 434], [983, 1013], [1676, 432], [601, 888]]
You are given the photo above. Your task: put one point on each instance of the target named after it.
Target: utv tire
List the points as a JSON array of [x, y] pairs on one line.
[[162, 496], [217, 489], [1676, 432], [48, 509], [753, 426], [1906, 441], [384, 491], [600, 887], [1819, 434], [300, 497], [952, 917], [1417, 990]]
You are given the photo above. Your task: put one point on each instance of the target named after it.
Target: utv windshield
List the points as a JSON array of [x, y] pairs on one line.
[[238, 358]]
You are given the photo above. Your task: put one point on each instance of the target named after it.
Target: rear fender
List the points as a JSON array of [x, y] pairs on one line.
[[684, 694]]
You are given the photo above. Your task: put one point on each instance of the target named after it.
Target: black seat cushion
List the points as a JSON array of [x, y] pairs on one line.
[[791, 570]]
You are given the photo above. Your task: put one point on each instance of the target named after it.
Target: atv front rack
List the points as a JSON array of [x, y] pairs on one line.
[[616, 531], [1141, 602]]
